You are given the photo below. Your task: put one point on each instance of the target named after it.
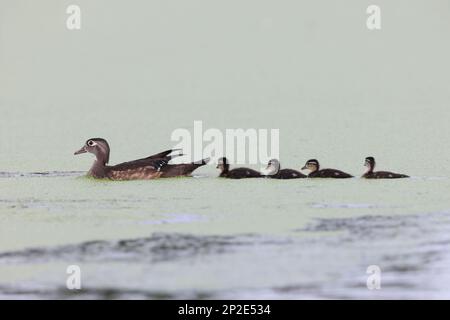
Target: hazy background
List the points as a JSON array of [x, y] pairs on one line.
[[139, 69]]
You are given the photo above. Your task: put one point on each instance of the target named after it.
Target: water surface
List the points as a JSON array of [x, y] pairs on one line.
[[205, 237]]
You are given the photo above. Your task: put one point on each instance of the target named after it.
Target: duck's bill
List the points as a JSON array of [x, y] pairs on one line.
[[304, 168], [82, 150]]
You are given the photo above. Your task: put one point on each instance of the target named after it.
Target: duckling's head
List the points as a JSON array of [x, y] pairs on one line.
[[97, 146], [273, 166], [369, 163], [223, 164], [311, 165]]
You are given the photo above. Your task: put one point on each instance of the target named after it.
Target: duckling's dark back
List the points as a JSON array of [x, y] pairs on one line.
[[241, 173], [330, 173], [288, 174], [384, 175]]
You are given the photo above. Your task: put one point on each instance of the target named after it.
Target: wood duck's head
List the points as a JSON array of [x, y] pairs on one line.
[[97, 146], [223, 164], [273, 166], [311, 165], [370, 163]]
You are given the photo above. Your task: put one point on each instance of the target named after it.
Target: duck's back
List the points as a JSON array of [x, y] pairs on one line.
[[384, 175], [330, 173], [288, 174], [240, 173]]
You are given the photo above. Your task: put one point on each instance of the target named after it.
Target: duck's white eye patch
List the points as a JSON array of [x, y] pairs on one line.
[[91, 143]]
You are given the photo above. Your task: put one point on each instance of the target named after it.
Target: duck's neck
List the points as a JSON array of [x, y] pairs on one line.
[[98, 169], [370, 168], [273, 171], [225, 169]]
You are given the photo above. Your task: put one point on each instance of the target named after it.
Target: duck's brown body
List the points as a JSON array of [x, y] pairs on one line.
[[152, 167]]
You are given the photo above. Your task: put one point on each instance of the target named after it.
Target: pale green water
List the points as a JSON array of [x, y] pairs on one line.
[[209, 237], [336, 91]]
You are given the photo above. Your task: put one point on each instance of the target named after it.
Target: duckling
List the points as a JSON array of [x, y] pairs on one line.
[[370, 174], [152, 167], [273, 171], [238, 173], [314, 167]]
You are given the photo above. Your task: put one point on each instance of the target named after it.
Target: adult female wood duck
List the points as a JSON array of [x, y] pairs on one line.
[[313, 166], [152, 167], [238, 173], [370, 174], [274, 171]]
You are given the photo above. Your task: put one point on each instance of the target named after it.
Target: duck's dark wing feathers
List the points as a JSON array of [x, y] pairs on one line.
[[183, 169], [166, 155], [154, 164]]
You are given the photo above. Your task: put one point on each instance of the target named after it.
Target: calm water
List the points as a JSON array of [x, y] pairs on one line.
[[133, 74]]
